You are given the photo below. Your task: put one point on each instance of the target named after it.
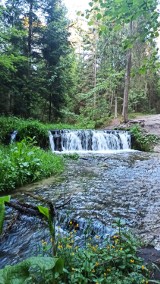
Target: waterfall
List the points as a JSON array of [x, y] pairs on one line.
[[51, 141], [89, 140], [13, 136]]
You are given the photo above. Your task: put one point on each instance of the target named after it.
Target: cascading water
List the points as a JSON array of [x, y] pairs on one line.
[[89, 140], [13, 136]]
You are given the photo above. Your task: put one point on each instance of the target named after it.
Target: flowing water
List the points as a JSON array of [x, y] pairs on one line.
[[89, 140], [101, 188]]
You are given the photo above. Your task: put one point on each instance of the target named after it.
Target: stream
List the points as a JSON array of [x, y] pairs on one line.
[[101, 188]]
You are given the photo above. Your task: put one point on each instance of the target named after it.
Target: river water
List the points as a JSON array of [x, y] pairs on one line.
[[101, 187]]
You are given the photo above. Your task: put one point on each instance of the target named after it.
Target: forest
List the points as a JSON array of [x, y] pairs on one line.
[[103, 64], [84, 204]]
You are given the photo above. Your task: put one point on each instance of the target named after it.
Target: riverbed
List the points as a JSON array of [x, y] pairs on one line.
[[100, 188]]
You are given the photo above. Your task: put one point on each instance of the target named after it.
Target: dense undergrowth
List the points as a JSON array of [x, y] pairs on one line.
[[23, 162]]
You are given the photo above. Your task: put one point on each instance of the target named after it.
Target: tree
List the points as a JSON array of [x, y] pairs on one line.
[[123, 14], [55, 46]]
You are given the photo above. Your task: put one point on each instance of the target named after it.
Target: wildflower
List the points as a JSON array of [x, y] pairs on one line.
[[73, 268], [143, 267], [68, 246], [94, 248], [97, 263], [93, 270], [121, 248], [97, 237], [115, 237], [104, 274], [131, 260], [77, 226], [60, 247], [70, 222], [108, 270], [113, 247]]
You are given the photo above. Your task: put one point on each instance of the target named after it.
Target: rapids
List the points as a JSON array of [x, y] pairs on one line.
[[101, 187]]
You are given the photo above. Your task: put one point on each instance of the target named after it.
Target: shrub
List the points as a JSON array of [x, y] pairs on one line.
[[142, 141], [36, 130]]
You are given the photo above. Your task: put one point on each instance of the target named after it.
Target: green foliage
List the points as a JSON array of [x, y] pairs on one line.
[[142, 141], [73, 156], [23, 163], [115, 261], [2, 210], [38, 270], [36, 130], [44, 211]]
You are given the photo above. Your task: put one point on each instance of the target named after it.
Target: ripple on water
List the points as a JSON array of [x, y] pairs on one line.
[[102, 187]]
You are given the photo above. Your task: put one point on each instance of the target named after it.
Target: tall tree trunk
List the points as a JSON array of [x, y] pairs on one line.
[[30, 28], [115, 106], [127, 81], [50, 106], [95, 76]]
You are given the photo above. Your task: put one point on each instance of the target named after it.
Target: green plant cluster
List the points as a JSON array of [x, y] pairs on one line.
[[114, 261], [23, 162], [142, 141]]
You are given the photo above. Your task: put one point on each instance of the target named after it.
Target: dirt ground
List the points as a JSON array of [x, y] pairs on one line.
[[150, 123], [151, 258]]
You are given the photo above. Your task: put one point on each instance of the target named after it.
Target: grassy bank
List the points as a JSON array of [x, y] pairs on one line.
[[23, 162]]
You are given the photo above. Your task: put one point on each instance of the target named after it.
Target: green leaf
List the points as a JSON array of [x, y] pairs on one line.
[[44, 211], [59, 265], [91, 23], [2, 214], [22, 273], [46, 263], [99, 16], [90, 4], [5, 198]]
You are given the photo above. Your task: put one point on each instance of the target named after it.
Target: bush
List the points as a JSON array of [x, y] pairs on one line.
[[142, 141], [36, 130]]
